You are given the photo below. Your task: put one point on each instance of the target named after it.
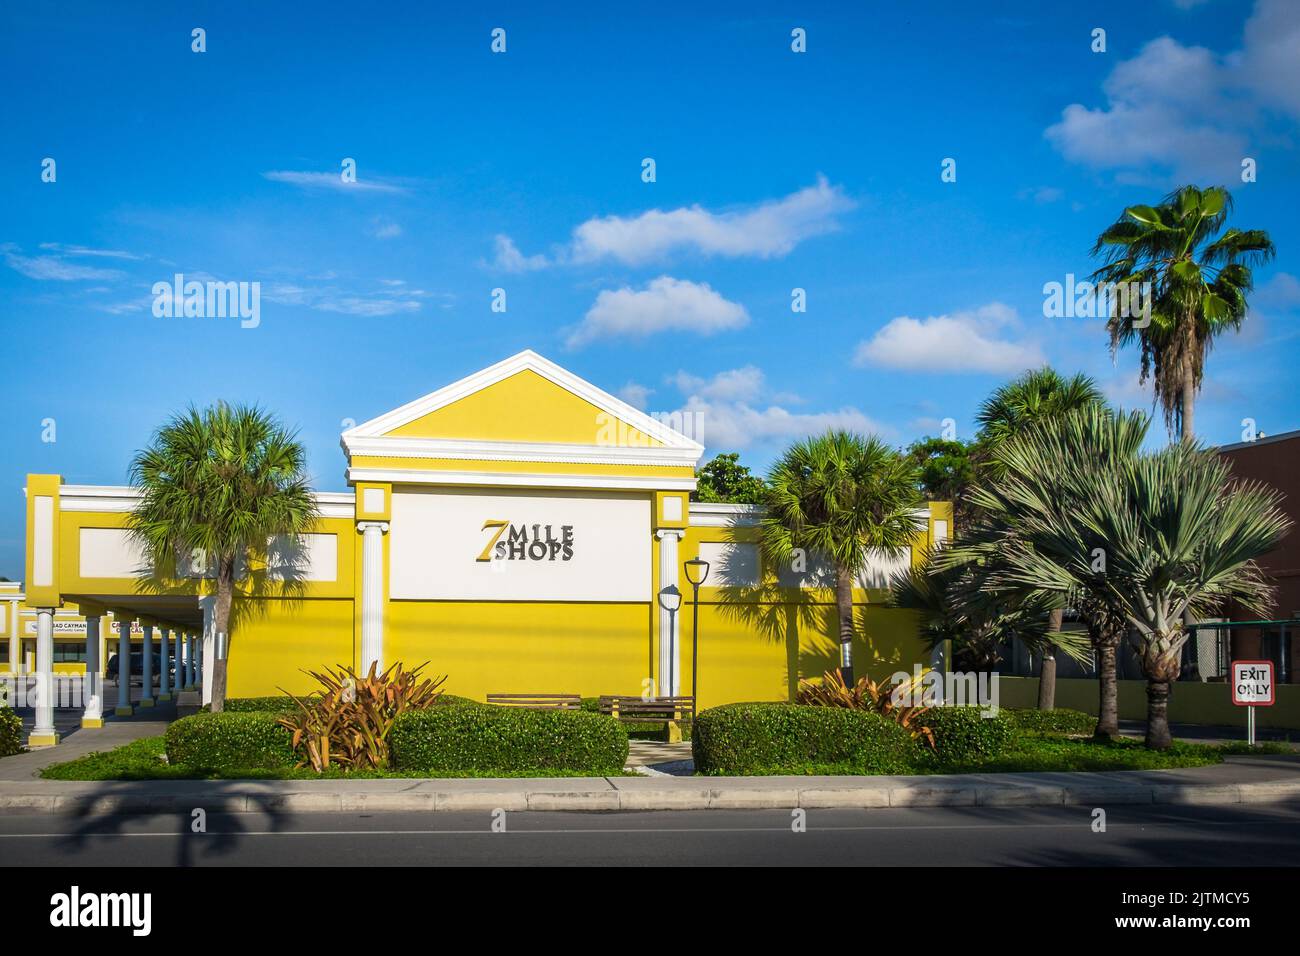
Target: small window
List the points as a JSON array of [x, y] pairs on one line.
[[66, 652]]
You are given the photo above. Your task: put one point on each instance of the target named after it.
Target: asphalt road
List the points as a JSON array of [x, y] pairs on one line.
[[1058, 836]]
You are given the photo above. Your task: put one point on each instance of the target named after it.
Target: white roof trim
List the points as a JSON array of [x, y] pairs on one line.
[[122, 498], [418, 476], [522, 451], [526, 360]]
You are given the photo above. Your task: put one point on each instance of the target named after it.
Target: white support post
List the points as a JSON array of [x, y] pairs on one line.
[[372, 595], [92, 686], [146, 667], [207, 646], [164, 663], [189, 660], [123, 666], [43, 734], [669, 626]]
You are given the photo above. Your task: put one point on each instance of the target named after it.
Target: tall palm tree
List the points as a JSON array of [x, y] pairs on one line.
[[1036, 396], [1092, 438], [225, 482], [1200, 276], [1150, 537], [841, 497]]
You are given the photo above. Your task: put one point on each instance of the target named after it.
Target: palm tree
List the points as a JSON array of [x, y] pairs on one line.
[[956, 605], [1150, 536], [1036, 396], [1091, 438], [842, 497], [225, 482], [1199, 277]]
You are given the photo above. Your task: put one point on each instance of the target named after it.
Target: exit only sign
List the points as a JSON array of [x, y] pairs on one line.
[[1252, 683]]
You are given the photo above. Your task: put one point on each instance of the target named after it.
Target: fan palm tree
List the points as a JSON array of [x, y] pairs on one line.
[[956, 605], [842, 497], [224, 482], [1036, 396], [1091, 438], [1150, 537], [1199, 277]]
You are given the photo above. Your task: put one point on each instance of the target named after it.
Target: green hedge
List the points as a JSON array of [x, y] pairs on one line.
[[758, 739], [1068, 722], [450, 741], [966, 733], [277, 704], [11, 732], [212, 743]]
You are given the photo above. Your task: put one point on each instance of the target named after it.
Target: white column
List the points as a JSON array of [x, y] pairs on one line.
[[146, 684], [372, 595], [43, 734], [15, 642], [123, 666], [189, 660], [92, 687], [669, 624], [207, 645], [164, 658]]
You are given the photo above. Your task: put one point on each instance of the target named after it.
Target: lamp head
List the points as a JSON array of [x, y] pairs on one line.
[[670, 599], [697, 571]]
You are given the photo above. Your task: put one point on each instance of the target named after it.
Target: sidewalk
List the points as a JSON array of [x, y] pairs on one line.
[[1240, 780]]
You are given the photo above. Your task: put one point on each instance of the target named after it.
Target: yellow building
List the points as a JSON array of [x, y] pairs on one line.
[[514, 529]]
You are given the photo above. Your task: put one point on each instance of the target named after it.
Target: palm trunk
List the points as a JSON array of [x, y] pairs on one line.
[[844, 607], [1189, 408], [1108, 690], [1047, 671], [221, 627], [1158, 736]]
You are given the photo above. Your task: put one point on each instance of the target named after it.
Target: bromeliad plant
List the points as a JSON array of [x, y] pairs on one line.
[[349, 723], [881, 698]]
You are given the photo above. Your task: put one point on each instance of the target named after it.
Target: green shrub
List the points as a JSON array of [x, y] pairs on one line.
[[964, 734], [756, 739], [507, 740], [277, 704], [11, 732], [451, 700], [210, 743], [1067, 722]]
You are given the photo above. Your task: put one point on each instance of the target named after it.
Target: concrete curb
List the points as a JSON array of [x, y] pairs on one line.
[[612, 794]]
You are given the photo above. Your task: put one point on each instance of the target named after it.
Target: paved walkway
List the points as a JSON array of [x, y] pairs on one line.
[[1256, 780], [77, 742]]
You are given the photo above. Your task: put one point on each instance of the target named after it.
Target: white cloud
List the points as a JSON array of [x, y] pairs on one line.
[[306, 179], [664, 305], [737, 384], [385, 229], [732, 410], [85, 251], [57, 269], [394, 299], [1187, 111], [510, 259], [636, 395], [961, 342], [767, 230]]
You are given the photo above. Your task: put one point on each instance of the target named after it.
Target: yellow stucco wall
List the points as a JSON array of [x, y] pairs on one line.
[[273, 640]]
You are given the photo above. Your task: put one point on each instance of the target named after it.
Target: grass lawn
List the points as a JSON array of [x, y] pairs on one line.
[[145, 759]]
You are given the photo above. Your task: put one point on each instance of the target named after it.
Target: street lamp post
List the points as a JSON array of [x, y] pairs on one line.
[[697, 572], [670, 599]]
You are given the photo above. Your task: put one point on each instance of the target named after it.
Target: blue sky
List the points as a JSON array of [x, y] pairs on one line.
[[522, 170]]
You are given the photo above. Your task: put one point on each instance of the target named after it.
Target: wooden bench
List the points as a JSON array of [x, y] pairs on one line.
[[537, 701], [655, 710]]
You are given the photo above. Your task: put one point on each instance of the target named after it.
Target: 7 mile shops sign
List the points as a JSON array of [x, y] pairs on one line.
[[520, 546]]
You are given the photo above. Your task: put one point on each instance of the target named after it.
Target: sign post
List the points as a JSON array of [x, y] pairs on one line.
[[1252, 686]]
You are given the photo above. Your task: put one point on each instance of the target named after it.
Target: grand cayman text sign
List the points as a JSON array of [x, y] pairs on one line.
[[508, 545]]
